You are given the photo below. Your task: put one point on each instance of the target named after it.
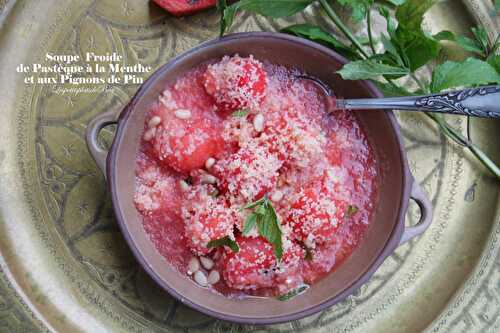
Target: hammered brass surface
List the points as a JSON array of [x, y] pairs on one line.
[[64, 265]]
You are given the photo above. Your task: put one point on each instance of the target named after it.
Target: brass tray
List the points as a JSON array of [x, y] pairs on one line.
[[64, 265]]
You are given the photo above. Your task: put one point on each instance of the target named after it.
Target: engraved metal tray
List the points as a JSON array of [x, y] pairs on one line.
[[64, 265]]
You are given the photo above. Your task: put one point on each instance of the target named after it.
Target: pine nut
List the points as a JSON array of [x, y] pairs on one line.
[[182, 114], [150, 133], [154, 121], [213, 277], [183, 185], [193, 266], [207, 263], [258, 122], [277, 196], [200, 278], [209, 163], [208, 179]]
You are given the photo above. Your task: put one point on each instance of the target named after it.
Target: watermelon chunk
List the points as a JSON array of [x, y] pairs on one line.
[[184, 7]]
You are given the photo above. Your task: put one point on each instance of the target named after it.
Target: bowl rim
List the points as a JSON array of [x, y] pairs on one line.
[[391, 243]]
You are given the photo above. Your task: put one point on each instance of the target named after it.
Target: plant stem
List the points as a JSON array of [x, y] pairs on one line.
[[460, 139], [369, 25], [338, 22]]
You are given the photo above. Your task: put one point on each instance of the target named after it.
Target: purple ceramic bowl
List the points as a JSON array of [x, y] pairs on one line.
[[396, 185]]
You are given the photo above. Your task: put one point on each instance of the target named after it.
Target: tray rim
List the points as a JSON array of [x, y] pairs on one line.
[[475, 273]]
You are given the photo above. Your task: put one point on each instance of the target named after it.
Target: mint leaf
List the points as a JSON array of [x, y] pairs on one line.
[[221, 7], [224, 241], [417, 46], [359, 8], [369, 69], [391, 49], [269, 229], [267, 222], [318, 35], [250, 223], [390, 90], [294, 292], [481, 37], [469, 44], [445, 35], [396, 2], [411, 14], [254, 204], [274, 8], [240, 113], [471, 72], [391, 25], [477, 45], [494, 61], [351, 210], [270, 8]]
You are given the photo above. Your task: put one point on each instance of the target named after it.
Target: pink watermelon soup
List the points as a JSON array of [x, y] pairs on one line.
[[236, 131]]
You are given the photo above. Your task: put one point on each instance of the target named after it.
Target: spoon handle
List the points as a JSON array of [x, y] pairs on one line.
[[477, 102]]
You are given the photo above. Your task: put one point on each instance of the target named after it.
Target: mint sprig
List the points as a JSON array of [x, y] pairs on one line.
[[293, 293], [265, 219], [224, 241]]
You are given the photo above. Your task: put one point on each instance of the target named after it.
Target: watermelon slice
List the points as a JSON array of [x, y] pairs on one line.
[[184, 7]]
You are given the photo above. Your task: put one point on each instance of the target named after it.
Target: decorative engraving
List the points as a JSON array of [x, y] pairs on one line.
[[453, 102]]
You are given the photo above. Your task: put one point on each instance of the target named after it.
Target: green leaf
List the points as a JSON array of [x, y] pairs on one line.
[[396, 2], [390, 90], [494, 61], [227, 18], [469, 44], [497, 5], [254, 204], [359, 8], [267, 222], [445, 35], [224, 241], [269, 229], [261, 210], [391, 24], [481, 37], [369, 69], [294, 292], [417, 46], [250, 223], [392, 50], [477, 45], [351, 210], [221, 7], [270, 8], [411, 13], [274, 8], [471, 72], [240, 113], [318, 35]]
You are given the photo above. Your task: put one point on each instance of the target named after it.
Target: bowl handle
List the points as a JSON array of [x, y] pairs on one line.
[[420, 197], [93, 129]]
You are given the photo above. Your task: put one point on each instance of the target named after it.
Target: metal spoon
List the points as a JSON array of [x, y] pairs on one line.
[[477, 102]]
